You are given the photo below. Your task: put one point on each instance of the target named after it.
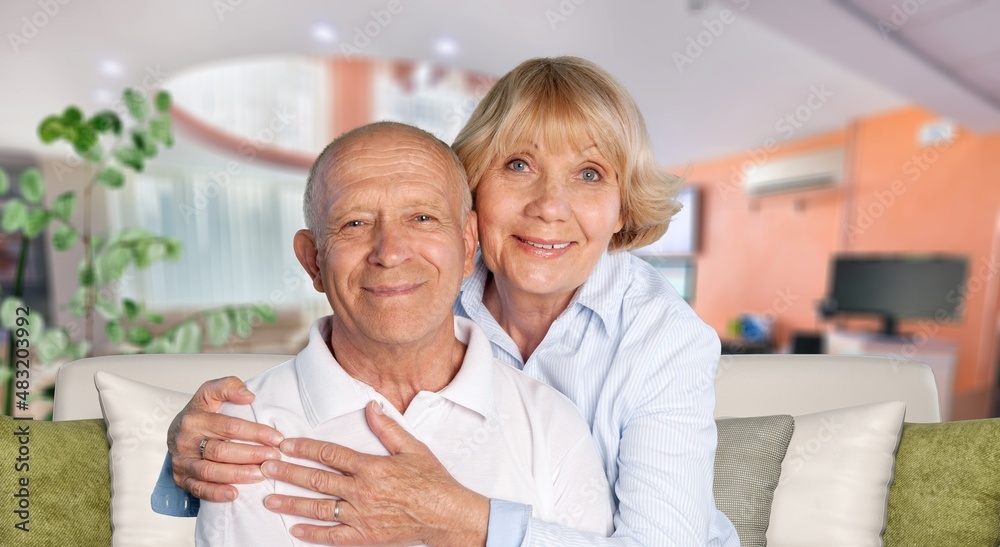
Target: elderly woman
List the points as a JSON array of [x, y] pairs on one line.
[[564, 183]]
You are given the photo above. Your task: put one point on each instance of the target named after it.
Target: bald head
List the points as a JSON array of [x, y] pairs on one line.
[[338, 152]]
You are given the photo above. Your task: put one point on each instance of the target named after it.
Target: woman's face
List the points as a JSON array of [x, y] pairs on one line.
[[545, 217]]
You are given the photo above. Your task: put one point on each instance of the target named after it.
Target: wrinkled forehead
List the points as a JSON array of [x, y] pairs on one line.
[[385, 161]]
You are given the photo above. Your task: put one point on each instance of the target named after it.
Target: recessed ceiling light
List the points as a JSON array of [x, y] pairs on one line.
[[323, 32], [445, 47], [111, 67]]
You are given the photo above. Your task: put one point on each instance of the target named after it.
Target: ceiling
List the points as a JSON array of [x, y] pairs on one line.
[[747, 76]]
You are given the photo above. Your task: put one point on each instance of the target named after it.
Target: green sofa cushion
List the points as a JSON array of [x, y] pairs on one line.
[[947, 486], [747, 468], [68, 489]]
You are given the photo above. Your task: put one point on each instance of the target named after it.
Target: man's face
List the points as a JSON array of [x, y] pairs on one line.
[[394, 250]]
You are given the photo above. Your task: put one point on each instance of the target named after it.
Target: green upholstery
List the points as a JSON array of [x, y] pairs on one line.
[[69, 491], [747, 468], [947, 486]]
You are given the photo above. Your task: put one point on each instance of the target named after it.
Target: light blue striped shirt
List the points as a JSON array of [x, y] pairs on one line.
[[640, 365]]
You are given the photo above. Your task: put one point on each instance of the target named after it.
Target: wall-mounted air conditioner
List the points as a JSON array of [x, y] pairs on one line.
[[800, 172]]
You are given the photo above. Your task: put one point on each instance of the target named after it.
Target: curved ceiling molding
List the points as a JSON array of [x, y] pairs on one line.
[[284, 110]]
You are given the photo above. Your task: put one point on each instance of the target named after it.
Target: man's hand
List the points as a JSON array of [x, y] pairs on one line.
[[402, 499], [224, 462]]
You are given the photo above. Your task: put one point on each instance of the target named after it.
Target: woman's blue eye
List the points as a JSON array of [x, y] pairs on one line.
[[423, 218], [591, 175], [518, 165], [354, 224]]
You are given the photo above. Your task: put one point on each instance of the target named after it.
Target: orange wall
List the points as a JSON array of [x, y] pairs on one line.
[[773, 253]]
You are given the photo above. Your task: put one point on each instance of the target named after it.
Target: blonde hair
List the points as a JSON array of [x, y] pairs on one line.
[[571, 100]]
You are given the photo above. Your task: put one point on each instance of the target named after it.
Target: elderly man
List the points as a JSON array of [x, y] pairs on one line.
[[390, 237]]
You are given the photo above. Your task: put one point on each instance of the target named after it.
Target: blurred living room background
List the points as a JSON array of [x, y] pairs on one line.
[[841, 157]]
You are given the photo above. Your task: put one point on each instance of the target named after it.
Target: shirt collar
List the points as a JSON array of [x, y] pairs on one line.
[[602, 292], [328, 392]]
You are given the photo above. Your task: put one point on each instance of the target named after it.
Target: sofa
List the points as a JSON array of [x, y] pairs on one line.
[[813, 450]]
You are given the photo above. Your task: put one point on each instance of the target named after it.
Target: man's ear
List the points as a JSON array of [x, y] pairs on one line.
[[308, 255], [471, 239]]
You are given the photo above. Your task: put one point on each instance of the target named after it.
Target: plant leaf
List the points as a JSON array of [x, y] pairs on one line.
[[85, 276], [266, 312], [152, 317], [85, 140], [72, 116], [148, 252], [187, 337], [162, 101], [32, 185], [50, 129], [130, 157], [4, 182], [52, 344], [219, 328], [159, 345], [111, 265], [107, 307], [78, 350], [144, 142], [161, 130], [64, 204], [139, 336], [111, 177], [15, 214], [37, 220], [114, 331], [107, 121], [132, 309], [242, 322], [8, 312], [76, 304], [64, 237], [173, 248], [136, 103]]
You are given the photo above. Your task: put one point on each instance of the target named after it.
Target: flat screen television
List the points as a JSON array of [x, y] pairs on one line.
[[896, 287]]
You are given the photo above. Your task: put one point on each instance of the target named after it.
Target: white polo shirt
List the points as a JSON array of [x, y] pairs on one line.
[[498, 431]]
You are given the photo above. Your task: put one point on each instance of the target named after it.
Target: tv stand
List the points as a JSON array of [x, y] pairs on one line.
[[939, 353]]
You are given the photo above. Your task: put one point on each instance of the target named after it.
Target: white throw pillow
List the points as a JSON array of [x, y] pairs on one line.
[[835, 478], [137, 416]]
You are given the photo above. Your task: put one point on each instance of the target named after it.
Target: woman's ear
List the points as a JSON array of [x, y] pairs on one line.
[[308, 254]]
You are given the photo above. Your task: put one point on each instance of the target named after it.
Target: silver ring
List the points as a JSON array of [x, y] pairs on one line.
[[336, 511], [201, 448]]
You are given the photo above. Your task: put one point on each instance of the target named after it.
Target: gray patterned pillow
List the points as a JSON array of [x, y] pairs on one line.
[[747, 468]]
